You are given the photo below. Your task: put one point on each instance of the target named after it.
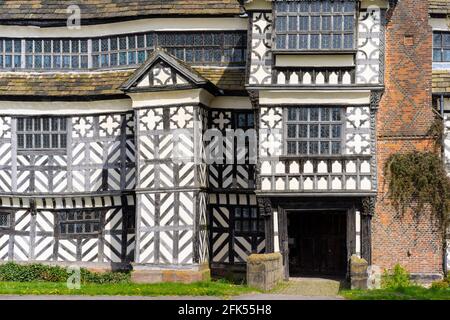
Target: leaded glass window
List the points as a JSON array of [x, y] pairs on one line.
[[56, 54], [315, 25], [314, 130], [4, 220], [41, 133], [200, 47], [79, 222], [248, 220], [10, 53], [441, 46]]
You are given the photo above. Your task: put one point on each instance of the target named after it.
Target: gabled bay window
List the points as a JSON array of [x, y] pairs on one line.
[[315, 25]]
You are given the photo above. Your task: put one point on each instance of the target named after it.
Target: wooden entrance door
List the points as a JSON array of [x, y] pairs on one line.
[[317, 244]]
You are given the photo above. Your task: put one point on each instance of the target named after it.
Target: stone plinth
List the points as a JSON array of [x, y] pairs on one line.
[[264, 271]]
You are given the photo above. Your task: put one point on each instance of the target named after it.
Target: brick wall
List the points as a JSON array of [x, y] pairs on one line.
[[404, 118]]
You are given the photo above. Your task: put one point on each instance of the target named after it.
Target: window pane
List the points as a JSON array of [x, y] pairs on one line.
[[336, 115], [291, 147], [324, 131], [324, 148], [325, 114], [292, 131], [314, 114], [314, 41], [314, 147], [292, 41], [303, 114], [446, 56], [336, 131], [335, 147], [303, 131], [437, 57], [293, 23], [303, 147], [314, 131], [446, 40]]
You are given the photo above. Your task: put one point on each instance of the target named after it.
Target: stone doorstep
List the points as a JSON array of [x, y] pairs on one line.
[[168, 275]]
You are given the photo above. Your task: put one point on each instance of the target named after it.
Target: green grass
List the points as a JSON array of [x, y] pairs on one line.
[[409, 293], [210, 288]]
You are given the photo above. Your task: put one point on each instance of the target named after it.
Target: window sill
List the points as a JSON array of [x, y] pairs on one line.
[[310, 52]]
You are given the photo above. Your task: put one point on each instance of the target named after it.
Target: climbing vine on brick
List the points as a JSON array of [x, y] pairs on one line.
[[417, 179]]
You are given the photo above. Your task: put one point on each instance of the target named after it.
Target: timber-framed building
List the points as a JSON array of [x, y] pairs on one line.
[[94, 119]]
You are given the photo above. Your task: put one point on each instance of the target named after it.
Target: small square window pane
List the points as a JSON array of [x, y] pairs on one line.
[[303, 41], [337, 41], [28, 46], [292, 44], [21, 141], [292, 147], [446, 40], [56, 62], [314, 147], [38, 62], [292, 114], [46, 124], [348, 41], [281, 24], [446, 56], [237, 226], [325, 131], [293, 23], [303, 114], [281, 41], [335, 147], [326, 23], [314, 131], [303, 147], [336, 131], [337, 23], [293, 7], [29, 141], [315, 6], [292, 131], [37, 141], [303, 131], [46, 141], [304, 23], [314, 114], [326, 41], [336, 114], [324, 147], [131, 42], [349, 23], [325, 114], [37, 46], [437, 57], [315, 41], [315, 23]]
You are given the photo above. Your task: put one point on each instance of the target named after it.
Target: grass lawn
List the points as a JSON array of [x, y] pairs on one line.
[[210, 288], [410, 293]]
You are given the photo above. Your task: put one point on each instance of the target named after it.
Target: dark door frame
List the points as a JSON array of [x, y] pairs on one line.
[[349, 204]]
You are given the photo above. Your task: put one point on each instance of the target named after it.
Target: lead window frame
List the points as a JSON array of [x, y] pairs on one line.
[[298, 33], [319, 139], [34, 127], [64, 220]]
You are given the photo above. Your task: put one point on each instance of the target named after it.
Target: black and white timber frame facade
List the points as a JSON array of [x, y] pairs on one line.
[[120, 161]]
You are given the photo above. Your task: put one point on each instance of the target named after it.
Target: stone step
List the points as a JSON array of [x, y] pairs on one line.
[[311, 287]]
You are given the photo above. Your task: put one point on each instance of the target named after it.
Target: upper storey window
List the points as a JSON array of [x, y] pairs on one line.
[[200, 48], [315, 25], [441, 46], [41, 134]]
